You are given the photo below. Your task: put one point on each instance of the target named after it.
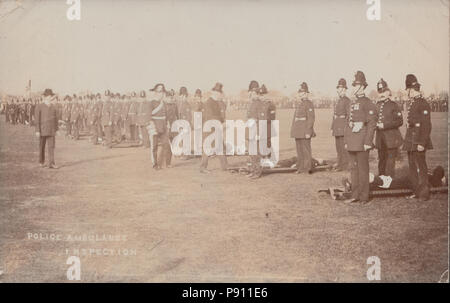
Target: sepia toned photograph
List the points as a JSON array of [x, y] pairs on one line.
[[240, 141]]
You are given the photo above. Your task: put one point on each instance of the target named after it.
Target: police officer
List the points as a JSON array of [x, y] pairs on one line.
[[106, 120], [214, 109], [95, 119], [67, 109], [198, 102], [254, 112], [75, 118], [142, 120], [184, 108], [172, 115], [358, 137], [131, 120], [340, 117], [302, 129], [417, 138], [157, 126], [388, 137], [270, 110], [197, 106]]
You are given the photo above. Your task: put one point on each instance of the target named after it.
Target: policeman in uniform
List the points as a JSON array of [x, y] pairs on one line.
[[67, 108], [358, 137], [106, 119], [75, 118], [141, 122], [184, 108], [388, 137], [270, 110], [417, 138], [95, 119], [172, 115], [340, 117], [157, 126], [132, 118], [198, 103], [254, 113], [302, 129], [116, 118], [214, 109]]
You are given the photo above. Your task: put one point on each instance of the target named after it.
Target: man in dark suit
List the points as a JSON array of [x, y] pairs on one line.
[[417, 138], [46, 128], [302, 129], [388, 137], [340, 115]]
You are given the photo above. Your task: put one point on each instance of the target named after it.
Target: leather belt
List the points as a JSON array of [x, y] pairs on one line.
[[300, 119]]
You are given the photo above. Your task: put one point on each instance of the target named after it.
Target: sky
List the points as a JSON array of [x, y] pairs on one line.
[[131, 45]]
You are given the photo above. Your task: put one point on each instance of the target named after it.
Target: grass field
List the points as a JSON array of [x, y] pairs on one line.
[[180, 225]]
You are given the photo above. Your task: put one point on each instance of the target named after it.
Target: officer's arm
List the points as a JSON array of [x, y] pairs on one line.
[[371, 124], [397, 118], [425, 124]]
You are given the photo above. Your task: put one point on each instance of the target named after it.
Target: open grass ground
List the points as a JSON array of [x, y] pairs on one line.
[[182, 226]]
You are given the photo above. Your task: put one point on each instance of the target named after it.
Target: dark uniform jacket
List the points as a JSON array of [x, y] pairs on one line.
[[361, 110], [214, 110], [390, 115], [46, 119], [303, 121], [261, 110], [418, 126], [340, 116]]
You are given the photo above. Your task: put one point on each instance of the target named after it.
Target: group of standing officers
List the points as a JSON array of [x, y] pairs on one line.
[[356, 123], [147, 119]]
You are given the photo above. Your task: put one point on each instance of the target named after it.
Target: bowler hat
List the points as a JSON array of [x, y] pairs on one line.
[[218, 87], [48, 92]]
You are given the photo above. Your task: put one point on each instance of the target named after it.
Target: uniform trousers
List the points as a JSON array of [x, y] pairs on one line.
[[304, 157], [418, 173], [342, 154], [359, 168]]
